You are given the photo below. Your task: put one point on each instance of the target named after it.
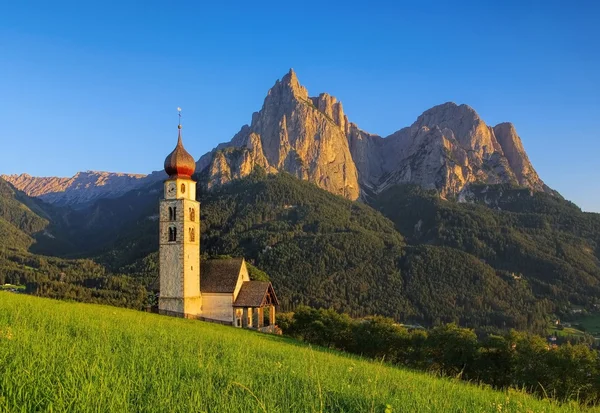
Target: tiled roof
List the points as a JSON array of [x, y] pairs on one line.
[[256, 294], [219, 276]]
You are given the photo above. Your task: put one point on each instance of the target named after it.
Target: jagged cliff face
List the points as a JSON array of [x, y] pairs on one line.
[[516, 157], [304, 136], [447, 148], [82, 188]]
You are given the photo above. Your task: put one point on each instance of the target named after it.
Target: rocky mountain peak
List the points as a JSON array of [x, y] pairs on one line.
[[517, 158], [332, 108], [288, 88], [447, 148], [450, 147], [463, 124], [304, 136]]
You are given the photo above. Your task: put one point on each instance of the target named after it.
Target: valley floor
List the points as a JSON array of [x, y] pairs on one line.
[[59, 356]]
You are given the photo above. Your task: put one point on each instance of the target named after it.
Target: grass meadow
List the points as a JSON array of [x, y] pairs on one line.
[[58, 356]]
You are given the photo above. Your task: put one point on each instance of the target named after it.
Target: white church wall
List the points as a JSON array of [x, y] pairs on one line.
[[243, 276], [217, 306]]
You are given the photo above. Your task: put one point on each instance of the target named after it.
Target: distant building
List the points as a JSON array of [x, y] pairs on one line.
[[216, 290]]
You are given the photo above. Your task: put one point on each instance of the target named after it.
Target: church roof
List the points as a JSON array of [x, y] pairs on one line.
[[180, 163], [220, 276], [256, 294]]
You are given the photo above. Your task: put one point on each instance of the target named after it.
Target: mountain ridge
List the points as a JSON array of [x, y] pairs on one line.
[[448, 148], [82, 188]]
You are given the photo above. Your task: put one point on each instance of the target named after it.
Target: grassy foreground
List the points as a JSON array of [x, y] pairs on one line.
[[59, 356]]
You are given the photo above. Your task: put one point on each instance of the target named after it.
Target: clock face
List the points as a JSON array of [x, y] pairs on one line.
[[171, 188]]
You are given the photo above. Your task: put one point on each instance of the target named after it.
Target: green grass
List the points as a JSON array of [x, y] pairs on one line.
[[59, 356], [566, 332]]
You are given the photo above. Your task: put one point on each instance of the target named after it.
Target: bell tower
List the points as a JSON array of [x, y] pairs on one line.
[[179, 232]]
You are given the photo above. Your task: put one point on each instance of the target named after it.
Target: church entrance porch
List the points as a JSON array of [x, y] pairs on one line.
[[256, 318], [254, 307]]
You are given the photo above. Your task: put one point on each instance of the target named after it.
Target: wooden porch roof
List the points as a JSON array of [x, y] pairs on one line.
[[256, 294]]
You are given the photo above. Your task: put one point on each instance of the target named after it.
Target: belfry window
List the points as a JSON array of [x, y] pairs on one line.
[[172, 234], [192, 235], [172, 213], [192, 214]]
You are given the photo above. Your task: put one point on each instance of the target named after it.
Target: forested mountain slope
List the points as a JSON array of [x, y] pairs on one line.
[[20, 217], [25, 223], [434, 261], [529, 237], [322, 250]]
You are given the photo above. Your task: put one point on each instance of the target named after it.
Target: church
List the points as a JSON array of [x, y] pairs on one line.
[[217, 290]]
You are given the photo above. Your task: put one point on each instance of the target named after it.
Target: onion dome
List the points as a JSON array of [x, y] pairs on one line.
[[179, 163]]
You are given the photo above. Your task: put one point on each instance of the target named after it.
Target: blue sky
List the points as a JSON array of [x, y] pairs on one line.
[[95, 85]]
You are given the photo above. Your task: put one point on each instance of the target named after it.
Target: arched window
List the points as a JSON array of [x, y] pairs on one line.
[[172, 213], [192, 214], [192, 235], [183, 188], [172, 234]]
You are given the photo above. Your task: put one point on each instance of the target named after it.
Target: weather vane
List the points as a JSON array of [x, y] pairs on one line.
[[179, 114]]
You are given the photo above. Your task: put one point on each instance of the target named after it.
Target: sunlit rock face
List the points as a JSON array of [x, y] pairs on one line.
[[447, 148], [516, 157], [304, 136]]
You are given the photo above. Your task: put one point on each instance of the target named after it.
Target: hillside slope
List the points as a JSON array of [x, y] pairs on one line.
[[463, 262], [94, 358], [322, 250], [20, 216], [26, 225], [531, 238]]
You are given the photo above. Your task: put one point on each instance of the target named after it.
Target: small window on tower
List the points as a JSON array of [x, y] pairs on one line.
[[172, 234], [171, 214], [183, 188], [192, 235], [192, 214]]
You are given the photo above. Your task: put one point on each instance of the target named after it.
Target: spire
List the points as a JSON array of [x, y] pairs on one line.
[[179, 141], [179, 163]]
